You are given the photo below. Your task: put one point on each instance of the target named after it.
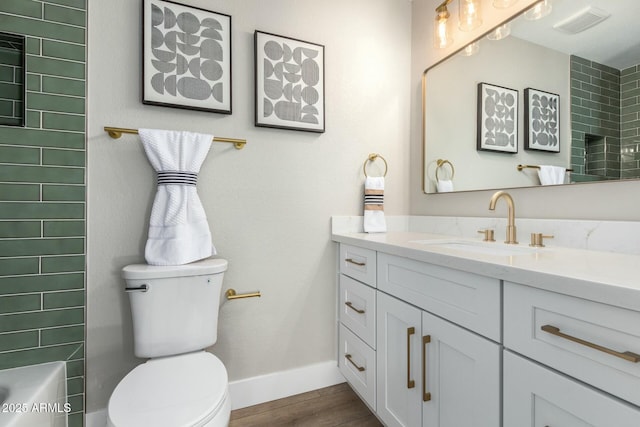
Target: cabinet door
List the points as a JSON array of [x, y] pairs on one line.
[[398, 362], [538, 397], [461, 376]]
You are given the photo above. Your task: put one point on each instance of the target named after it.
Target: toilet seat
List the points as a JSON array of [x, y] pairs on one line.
[[178, 391]]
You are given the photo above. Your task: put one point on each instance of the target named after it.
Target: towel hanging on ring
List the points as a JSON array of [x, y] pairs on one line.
[[178, 228], [374, 220]]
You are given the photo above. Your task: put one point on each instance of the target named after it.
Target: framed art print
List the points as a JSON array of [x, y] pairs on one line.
[[497, 118], [289, 83], [542, 120], [187, 57]]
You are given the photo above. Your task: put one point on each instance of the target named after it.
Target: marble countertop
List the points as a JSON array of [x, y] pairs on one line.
[[607, 277]]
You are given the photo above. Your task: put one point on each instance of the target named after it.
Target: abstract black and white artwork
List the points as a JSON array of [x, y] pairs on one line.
[[289, 83], [542, 120], [187, 57], [497, 118]]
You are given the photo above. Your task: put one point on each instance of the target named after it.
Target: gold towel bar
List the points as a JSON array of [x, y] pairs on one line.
[[520, 167], [116, 133], [232, 294]]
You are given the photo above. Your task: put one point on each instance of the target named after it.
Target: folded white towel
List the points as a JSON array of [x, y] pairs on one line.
[[178, 228], [374, 221], [444, 185], [551, 175]]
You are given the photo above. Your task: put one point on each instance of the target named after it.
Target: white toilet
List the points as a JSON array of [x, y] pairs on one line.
[[175, 317]]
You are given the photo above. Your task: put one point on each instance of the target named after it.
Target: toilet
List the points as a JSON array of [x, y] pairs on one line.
[[175, 317]]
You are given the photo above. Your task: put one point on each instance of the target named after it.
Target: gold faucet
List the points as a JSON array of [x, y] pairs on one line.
[[511, 215]]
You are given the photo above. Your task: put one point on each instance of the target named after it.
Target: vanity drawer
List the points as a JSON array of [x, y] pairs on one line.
[[358, 263], [358, 309], [470, 300], [593, 342], [357, 362]]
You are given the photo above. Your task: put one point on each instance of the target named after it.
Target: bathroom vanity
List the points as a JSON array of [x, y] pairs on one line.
[[450, 331]]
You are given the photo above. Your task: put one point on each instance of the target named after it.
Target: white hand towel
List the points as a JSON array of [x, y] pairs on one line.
[[551, 175], [374, 221], [178, 228], [444, 186]]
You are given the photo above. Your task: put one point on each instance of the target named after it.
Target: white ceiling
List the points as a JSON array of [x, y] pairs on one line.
[[614, 42]]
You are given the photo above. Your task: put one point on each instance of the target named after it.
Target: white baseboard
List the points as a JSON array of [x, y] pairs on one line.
[[265, 388]]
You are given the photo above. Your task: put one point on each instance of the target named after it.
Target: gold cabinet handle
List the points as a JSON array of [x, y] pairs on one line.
[[410, 383], [627, 355], [232, 294], [357, 310], [358, 263], [426, 396], [359, 368]]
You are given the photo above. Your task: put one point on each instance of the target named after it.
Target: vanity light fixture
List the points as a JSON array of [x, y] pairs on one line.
[[503, 4], [442, 37], [470, 49], [540, 10], [500, 33], [469, 15]]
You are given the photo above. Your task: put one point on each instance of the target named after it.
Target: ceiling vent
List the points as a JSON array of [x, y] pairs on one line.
[[582, 20]]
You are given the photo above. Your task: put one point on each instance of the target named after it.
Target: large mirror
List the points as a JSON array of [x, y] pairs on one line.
[[558, 93], [12, 79]]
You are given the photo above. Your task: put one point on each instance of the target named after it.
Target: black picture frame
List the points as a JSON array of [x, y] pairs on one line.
[[497, 122], [542, 120], [289, 83], [186, 57]]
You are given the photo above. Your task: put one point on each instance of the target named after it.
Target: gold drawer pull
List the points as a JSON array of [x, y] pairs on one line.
[[352, 261], [357, 310], [359, 368], [426, 396], [410, 383], [627, 355]]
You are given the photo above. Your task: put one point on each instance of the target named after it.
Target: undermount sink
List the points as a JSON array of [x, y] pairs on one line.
[[487, 248]]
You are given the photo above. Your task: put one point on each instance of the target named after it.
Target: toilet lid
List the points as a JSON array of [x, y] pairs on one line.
[[172, 391]]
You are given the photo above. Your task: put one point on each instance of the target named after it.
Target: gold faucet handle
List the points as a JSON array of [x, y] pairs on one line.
[[488, 235], [537, 240]]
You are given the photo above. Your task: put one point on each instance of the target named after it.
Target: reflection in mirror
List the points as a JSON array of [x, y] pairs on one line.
[[12, 79], [576, 73]]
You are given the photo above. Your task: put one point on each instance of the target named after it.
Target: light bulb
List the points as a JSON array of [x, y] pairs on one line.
[[500, 32], [442, 36], [469, 15], [470, 49], [540, 10]]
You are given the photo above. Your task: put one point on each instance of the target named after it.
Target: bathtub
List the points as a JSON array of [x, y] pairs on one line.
[[34, 396]]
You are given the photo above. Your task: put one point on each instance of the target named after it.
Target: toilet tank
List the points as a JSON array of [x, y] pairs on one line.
[[174, 308]]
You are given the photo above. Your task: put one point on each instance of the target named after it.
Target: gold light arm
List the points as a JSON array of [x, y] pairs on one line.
[[232, 294], [116, 133]]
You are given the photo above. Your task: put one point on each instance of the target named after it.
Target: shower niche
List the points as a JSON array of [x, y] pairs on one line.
[[602, 156], [12, 79]]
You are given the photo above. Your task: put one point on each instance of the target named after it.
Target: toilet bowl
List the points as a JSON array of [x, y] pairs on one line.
[[175, 317]]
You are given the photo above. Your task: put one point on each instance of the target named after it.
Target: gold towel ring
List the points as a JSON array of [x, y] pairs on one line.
[[372, 157], [442, 162]]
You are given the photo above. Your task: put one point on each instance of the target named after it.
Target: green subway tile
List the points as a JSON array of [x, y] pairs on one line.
[[15, 266], [19, 192], [63, 86], [64, 228], [31, 247], [75, 419], [19, 303], [42, 283], [22, 7], [62, 264], [20, 155], [38, 28], [56, 157], [74, 52], [78, 4], [63, 335], [41, 319], [39, 138], [64, 15], [9, 229], [75, 368], [6, 109], [42, 174], [41, 101], [11, 91], [78, 354], [19, 340], [33, 119], [63, 122], [75, 385], [33, 46], [76, 402], [6, 74], [63, 193], [33, 82], [42, 210], [55, 67], [37, 355]]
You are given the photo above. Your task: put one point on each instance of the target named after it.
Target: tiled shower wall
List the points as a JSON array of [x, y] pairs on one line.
[[42, 196], [630, 125]]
